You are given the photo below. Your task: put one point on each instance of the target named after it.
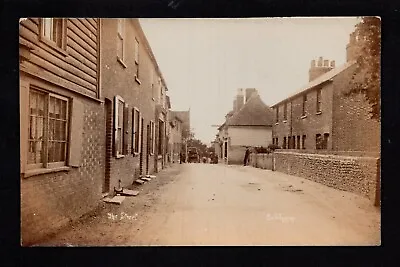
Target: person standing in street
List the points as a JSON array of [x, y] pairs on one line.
[[246, 156]]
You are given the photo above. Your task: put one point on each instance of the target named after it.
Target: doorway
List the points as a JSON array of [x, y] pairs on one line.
[[148, 149], [109, 139], [141, 146]]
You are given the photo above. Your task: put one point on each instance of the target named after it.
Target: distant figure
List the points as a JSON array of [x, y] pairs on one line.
[[246, 156], [180, 157]]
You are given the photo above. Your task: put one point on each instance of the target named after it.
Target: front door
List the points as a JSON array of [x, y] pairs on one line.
[[109, 132], [148, 149], [141, 146]]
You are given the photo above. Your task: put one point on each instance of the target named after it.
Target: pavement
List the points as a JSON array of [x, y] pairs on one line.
[[214, 204]]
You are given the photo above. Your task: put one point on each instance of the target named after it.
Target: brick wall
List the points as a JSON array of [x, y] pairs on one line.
[[311, 124], [118, 79], [354, 174], [353, 129], [50, 201]]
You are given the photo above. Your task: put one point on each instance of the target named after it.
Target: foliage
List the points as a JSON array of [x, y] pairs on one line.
[[272, 147], [367, 78], [261, 149]]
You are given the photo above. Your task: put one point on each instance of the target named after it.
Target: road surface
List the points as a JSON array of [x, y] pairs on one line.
[[206, 204]]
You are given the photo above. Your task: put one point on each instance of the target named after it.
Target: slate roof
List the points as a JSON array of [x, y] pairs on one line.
[[319, 80], [253, 113]]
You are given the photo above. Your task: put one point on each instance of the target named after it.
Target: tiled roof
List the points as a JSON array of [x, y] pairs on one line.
[[319, 80], [253, 113]]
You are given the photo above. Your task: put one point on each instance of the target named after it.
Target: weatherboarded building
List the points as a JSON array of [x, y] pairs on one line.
[[62, 140], [249, 124]]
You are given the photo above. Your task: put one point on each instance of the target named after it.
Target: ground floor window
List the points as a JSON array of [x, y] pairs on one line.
[[303, 145], [48, 129], [284, 142]]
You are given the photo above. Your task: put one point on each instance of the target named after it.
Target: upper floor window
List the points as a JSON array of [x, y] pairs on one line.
[[52, 29], [120, 127], [318, 141], [285, 112], [277, 114], [137, 58], [121, 40], [319, 100], [48, 130], [304, 105]]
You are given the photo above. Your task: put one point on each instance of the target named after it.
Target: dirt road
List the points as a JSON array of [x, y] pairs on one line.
[[204, 204]]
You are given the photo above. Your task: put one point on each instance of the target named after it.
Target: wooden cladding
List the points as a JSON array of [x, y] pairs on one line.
[[76, 66]]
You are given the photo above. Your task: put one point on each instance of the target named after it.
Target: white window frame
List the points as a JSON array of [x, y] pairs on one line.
[[137, 73], [121, 37], [45, 164], [51, 40], [117, 99], [136, 131]]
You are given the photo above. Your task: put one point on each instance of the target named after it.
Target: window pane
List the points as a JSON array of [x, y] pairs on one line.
[[58, 29], [47, 28], [120, 113], [40, 129], [51, 150], [31, 152], [120, 47], [38, 152], [32, 127], [51, 129], [57, 130], [52, 107], [57, 153], [63, 151], [57, 110], [64, 110], [33, 102], [63, 131]]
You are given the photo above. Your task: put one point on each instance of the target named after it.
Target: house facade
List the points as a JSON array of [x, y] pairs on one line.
[[320, 117], [327, 135], [133, 90], [93, 118], [249, 124], [62, 140]]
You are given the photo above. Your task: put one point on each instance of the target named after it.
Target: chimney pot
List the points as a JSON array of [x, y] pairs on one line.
[[312, 63], [333, 63], [320, 62], [326, 63]]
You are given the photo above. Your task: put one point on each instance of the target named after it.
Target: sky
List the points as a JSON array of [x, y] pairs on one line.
[[205, 61]]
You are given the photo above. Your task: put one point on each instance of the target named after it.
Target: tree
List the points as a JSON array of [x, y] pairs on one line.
[[367, 78]]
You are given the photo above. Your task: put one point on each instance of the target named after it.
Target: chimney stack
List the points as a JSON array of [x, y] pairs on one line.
[[249, 93], [353, 48], [319, 68], [239, 99]]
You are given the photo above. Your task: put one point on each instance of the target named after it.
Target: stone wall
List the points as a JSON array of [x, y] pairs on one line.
[[349, 173], [262, 161]]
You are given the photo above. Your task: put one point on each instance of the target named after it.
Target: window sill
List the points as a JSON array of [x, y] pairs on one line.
[[53, 45], [285, 121], [120, 156], [318, 113], [303, 117], [276, 123], [159, 157], [136, 154], [137, 80], [121, 62], [151, 154], [153, 99], [44, 171]]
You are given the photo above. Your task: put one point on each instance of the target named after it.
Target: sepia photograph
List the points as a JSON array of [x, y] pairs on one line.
[[200, 131]]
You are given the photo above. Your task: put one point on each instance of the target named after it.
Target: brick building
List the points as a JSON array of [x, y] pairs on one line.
[[248, 124], [93, 113], [135, 103], [62, 144], [320, 116], [327, 136]]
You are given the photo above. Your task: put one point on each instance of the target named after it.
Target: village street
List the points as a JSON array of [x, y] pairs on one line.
[[205, 204]]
